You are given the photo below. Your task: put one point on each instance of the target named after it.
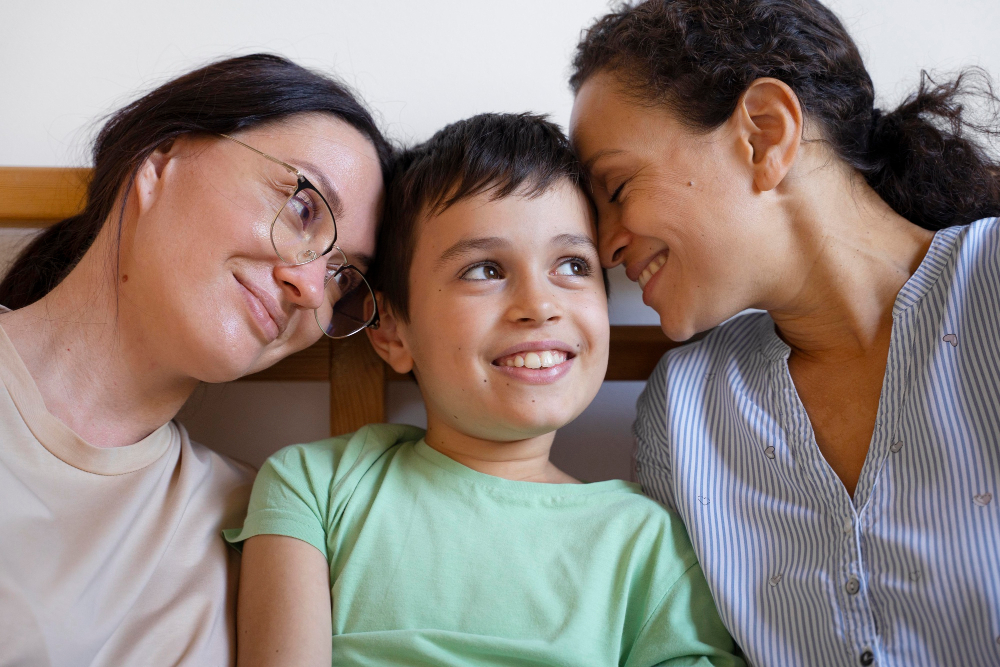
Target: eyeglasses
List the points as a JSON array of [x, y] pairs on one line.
[[303, 230]]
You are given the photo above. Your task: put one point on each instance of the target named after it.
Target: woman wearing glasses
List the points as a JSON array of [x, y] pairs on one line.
[[231, 214]]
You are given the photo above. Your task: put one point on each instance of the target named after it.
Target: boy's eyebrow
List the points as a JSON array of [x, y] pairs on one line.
[[466, 246], [575, 240]]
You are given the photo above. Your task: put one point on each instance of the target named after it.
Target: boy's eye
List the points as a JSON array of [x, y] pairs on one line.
[[483, 272], [573, 267]]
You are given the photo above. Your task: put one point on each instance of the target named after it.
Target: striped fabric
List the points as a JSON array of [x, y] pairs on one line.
[[906, 574]]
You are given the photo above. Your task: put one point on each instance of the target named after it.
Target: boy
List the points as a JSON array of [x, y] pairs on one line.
[[466, 545]]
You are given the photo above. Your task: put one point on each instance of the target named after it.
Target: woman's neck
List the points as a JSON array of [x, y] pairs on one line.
[[520, 460], [89, 363], [853, 255]]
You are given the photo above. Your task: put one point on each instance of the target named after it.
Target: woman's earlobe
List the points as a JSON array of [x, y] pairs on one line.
[[772, 120]]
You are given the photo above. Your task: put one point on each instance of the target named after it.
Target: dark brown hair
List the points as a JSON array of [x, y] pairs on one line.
[[503, 154], [698, 57], [224, 97]]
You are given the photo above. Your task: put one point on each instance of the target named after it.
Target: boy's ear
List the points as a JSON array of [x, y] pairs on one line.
[[388, 342]]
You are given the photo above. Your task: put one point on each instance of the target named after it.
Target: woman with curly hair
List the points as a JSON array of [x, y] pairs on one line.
[[835, 457]]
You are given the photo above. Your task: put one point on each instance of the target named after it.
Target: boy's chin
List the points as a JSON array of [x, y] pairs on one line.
[[522, 428]]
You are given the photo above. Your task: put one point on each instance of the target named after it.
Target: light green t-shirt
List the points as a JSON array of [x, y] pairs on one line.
[[434, 563]]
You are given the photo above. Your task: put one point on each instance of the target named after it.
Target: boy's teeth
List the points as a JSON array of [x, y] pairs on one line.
[[533, 360], [651, 270]]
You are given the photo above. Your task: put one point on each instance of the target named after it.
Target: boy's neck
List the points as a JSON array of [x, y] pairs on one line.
[[519, 460]]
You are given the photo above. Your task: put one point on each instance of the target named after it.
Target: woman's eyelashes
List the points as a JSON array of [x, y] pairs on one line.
[[616, 195]]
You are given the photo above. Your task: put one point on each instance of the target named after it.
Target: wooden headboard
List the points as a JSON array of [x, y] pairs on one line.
[[40, 196]]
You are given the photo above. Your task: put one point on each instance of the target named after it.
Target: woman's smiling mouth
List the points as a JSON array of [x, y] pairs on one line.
[[652, 268]]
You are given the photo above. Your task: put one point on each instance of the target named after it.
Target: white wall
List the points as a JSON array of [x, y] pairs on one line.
[[420, 65]]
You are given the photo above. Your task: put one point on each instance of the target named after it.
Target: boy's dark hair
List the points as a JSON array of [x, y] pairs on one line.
[[503, 154]]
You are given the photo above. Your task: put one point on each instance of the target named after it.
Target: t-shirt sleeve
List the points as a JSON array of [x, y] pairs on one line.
[[652, 454], [301, 490], [288, 495], [685, 629]]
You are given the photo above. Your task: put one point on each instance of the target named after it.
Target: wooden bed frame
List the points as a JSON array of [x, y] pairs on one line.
[[39, 196]]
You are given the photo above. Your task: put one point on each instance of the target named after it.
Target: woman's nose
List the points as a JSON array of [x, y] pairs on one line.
[[612, 239], [303, 285]]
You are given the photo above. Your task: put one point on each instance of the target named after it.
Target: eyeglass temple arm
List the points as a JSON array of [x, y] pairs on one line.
[[263, 154]]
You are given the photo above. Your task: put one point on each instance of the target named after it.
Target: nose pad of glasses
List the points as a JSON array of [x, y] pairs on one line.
[[307, 255]]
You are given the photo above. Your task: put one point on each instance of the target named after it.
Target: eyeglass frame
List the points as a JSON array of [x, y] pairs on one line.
[[303, 183]]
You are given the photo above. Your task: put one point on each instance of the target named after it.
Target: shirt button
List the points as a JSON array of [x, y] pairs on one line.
[[848, 526], [853, 586], [866, 658]]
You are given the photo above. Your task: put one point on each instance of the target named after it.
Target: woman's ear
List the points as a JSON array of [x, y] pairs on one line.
[[388, 340], [149, 177], [770, 122]]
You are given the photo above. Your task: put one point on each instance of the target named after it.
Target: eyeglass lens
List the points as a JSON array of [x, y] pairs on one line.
[[349, 306], [304, 228]]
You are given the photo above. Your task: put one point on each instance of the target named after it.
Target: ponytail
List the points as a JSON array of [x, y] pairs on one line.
[[924, 160], [48, 259]]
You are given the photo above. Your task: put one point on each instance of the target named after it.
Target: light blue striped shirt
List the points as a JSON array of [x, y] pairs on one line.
[[908, 573]]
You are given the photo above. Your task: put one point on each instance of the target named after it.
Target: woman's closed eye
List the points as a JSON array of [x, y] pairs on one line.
[[483, 271], [616, 195]]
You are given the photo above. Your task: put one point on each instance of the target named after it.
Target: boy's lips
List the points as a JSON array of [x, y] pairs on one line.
[[536, 346], [536, 362]]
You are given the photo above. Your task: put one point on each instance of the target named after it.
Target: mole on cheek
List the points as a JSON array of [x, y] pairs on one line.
[[124, 278]]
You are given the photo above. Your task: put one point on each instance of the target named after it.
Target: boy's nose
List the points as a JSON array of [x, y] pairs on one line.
[[535, 303]]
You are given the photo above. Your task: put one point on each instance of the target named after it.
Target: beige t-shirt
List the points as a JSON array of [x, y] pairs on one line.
[[111, 556]]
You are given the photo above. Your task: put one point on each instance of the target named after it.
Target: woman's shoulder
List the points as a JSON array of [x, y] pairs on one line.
[[980, 244], [215, 467], [735, 339]]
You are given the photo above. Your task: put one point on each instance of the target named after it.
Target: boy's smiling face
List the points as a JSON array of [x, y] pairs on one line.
[[508, 331]]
